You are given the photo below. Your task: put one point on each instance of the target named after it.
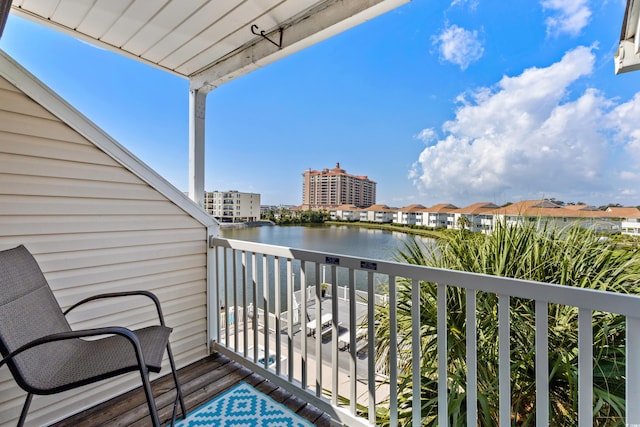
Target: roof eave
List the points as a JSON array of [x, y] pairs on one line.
[[317, 24]]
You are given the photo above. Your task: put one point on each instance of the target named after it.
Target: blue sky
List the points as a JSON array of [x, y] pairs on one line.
[[457, 102]]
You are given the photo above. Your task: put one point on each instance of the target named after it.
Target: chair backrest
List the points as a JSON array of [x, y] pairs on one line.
[[28, 310]]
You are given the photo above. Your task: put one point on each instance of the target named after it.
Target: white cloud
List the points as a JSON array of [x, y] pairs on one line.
[[524, 138], [567, 16], [427, 135], [623, 119], [459, 46], [469, 4]]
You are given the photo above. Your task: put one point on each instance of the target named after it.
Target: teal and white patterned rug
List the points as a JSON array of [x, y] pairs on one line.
[[243, 406]]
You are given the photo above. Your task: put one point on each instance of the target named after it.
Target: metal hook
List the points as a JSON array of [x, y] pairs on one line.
[[255, 30]]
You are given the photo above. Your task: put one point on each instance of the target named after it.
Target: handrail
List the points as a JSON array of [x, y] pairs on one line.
[[624, 304]]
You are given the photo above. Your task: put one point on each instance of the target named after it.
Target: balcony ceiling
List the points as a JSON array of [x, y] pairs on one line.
[[206, 41], [627, 57]]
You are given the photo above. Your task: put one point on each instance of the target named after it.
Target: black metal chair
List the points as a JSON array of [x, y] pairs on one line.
[[45, 356]]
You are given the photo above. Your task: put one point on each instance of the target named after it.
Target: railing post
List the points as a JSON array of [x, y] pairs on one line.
[[542, 364], [585, 368], [504, 359], [472, 358], [443, 405], [335, 324], [234, 281], [415, 353], [225, 279], [215, 319], [245, 335], [290, 314], [318, 349], [278, 309], [266, 305], [255, 320], [633, 372], [303, 323], [371, 363], [393, 352], [353, 386]]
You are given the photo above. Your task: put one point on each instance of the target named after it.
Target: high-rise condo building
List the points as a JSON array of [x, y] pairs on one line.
[[330, 188]]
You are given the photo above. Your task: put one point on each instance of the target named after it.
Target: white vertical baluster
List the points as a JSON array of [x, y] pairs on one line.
[[335, 320], [266, 307], [234, 276], [585, 368], [504, 358], [225, 280], [542, 364], [472, 358], [371, 369], [245, 333], [290, 319], [218, 284], [254, 319], [278, 309], [303, 323], [443, 404], [393, 352], [415, 351], [633, 372], [352, 342], [318, 340]]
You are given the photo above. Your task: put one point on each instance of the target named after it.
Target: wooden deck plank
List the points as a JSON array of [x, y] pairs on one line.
[[200, 382]]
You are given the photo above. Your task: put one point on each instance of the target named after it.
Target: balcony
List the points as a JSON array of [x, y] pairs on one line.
[[272, 327]]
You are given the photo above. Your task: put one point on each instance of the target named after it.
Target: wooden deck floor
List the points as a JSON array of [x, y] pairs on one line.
[[200, 382]]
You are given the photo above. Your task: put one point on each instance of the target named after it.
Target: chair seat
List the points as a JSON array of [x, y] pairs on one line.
[[95, 360]]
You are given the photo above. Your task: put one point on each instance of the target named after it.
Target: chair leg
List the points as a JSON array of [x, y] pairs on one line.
[[25, 409], [153, 411], [178, 388]]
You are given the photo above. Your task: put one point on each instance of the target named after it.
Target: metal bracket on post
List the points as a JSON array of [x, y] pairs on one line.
[[255, 30]]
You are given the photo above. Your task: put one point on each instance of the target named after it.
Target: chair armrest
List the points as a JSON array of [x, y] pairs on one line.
[[113, 330], [147, 294]]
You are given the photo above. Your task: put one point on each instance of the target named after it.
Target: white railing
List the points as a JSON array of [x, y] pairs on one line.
[[337, 371]]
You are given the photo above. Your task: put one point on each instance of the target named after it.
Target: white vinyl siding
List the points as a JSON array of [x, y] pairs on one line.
[[95, 226]]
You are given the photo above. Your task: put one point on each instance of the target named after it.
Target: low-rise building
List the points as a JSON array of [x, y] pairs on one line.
[[377, 213], [483, 216], [556, 215], [345, 213], [475, 217], [441, 215], [629, 219], [232, 206], [410, 215]]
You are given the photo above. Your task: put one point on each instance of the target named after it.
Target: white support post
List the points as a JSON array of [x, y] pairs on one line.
[[197, 102]]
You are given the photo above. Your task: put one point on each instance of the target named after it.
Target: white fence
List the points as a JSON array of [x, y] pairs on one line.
[[272, 278]]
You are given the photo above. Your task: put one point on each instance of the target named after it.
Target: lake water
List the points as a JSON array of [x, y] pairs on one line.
[[339, 239]]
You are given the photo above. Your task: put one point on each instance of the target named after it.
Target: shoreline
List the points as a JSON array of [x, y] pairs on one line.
[[390, 227]]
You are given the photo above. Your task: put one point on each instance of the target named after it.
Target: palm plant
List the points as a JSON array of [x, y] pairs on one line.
[[573, 256]]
